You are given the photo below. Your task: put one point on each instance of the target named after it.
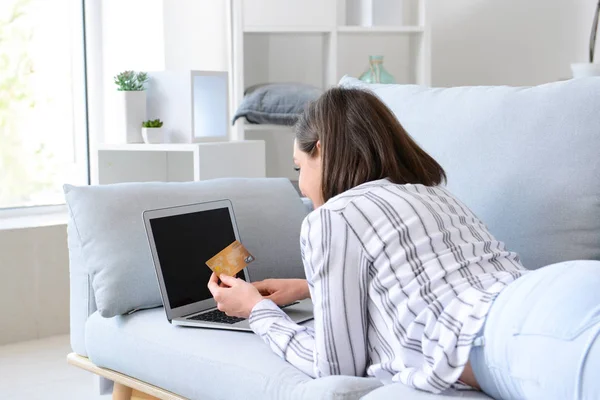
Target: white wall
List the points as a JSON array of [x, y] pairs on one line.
[[34, 283], [165, 34], [205, 49], [508, 42], [497, 42], [492, 42]]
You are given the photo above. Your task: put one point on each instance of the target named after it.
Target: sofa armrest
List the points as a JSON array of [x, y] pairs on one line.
[[82, 302]]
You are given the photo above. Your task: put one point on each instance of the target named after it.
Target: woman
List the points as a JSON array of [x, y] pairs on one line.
[[407, 283]]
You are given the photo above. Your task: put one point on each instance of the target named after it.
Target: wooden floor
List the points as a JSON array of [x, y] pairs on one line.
[[126, 387], [38, 370]]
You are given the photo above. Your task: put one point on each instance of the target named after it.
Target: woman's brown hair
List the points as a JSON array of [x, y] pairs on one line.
[[362, 141]]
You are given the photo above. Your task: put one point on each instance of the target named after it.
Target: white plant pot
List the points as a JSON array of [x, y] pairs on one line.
[[585, 70], [130, 113], [154, 135]]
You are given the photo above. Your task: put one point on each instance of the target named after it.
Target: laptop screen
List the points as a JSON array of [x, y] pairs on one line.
[[183, 244]]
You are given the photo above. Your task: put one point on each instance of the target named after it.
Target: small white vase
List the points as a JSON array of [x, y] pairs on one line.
[[154, 135], [585, 70], [130, 113]]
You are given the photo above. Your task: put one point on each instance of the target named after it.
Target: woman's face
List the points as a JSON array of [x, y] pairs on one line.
[[309, 169]]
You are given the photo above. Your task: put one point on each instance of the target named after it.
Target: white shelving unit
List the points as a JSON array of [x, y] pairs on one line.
[[266, 128], [309, 41], [180, 162], [380, 29]]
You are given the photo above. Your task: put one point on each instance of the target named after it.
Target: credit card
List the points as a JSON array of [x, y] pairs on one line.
[[231, 260]]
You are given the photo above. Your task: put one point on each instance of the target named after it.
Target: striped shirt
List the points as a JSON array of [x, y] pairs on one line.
[[401, 278]]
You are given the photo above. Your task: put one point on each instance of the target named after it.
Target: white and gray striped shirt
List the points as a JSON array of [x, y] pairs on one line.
[[401, 277]]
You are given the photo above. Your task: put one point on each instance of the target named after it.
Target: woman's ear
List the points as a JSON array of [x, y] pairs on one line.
[[318, 147]]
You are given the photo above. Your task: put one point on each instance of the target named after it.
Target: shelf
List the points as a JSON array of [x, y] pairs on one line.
[[340, 29], [180, 162], [288, 29], [380, 29], [167, 146], [148, 147], [267, 128], [316, 42]]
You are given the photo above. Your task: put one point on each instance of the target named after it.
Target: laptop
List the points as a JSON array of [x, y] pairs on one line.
[[181, 240]]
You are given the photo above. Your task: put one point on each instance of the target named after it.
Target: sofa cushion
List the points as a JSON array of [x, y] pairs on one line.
[[401, 392], [204, 363], [212, 364], [108, 223], [525, 160]]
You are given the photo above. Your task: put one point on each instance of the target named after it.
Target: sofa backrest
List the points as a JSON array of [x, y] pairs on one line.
[[525, 160]]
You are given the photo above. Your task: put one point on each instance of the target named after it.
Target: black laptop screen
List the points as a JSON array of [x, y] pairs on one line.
[[184, 243]]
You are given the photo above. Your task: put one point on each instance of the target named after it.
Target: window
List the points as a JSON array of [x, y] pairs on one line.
[[43, 134]]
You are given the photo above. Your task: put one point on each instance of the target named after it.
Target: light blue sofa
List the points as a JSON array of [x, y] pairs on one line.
[[526, 160]]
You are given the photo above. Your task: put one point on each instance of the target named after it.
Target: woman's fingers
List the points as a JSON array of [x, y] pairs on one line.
[[213, 285], [213, 282], [275, 298], [260, 285], [263, 288], [228, 280]]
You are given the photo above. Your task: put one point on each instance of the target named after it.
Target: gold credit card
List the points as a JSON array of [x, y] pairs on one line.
[[231, 260]]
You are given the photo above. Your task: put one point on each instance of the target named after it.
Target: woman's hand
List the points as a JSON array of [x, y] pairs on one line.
[[283, 291], [235, 297]]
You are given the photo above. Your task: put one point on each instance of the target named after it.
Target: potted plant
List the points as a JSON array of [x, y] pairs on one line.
[[131, 105], [581, 70], [152, 131]]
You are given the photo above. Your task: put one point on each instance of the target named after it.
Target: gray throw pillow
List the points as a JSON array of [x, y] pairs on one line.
[[276, 103], [109, 229]]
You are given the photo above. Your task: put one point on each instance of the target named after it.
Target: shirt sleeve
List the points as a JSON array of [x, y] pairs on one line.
[[331, 254]]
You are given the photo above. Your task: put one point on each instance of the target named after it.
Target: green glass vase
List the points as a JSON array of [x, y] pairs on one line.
[[376, 73]]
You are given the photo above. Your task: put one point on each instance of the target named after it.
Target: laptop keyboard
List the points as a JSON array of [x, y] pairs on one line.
[[216, 316], [222, 318]]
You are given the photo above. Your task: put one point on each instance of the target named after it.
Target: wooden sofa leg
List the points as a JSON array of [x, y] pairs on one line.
[[122, 392], [137, 395]]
